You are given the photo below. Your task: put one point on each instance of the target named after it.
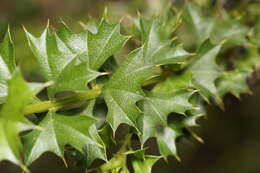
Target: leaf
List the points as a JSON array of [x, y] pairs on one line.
[[58, 131], [201, 26], [170, 20], [12, 120], [175, 83], [158, 106], [143, 163], [166, 140], [91, 25], [230, 29], [92, 152], [255, 37], [250, 62], [123, 89], [234, 82], [72, 60], [167, 135], [214, 28], [205, 70], [7, 64], [75, 76], [117, 164]]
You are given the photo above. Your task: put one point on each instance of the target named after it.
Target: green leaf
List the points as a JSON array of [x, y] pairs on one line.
[[166, 135], [117, 164], [205, 71], [91, 25], [92, 152], [72, 60], [12, 120], [250, 62], [201, 26], [234, 82], [7, 64], [255, 37], [143, 163], [158, 106], [214, 28], [166, 140], [75, 76], [175, 83], [170, 20], [58, 131], [123, 89], [230, 29]]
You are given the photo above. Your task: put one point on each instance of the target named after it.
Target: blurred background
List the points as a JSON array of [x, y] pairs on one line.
[[231, 137]]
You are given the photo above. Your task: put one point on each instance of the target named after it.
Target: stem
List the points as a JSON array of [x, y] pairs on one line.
[[62, 102], [59, 103]]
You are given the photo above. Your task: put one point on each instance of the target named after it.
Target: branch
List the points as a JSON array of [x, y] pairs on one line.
[[59, 103]]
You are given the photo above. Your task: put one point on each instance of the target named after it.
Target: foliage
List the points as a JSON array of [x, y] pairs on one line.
[[159, 90]]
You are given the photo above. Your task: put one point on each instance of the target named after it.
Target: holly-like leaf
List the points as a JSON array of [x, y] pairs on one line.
[[12, 120], [91, 25], [201, 26], [255, 37], [216, 29], [72, 60], [250, 62], [92, 152], [205, 71], [117, 164], [7, 64], [143, 163], [123, 89], [58, 131], [158, 106], [175, 83], [167, 135], [234, 82], [230, 29]]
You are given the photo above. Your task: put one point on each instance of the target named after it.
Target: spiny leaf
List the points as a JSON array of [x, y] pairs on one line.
[[166, 136], [175, 83], [230, 29], [92, 152], [143, 163], [12, 120], [201, 26], [91, 25], [234, 82], [214, 28], [250, 62], [170, 20], [117, 164], [205, 70], [255, 37], [63, 54], [58, 131], [7, 64], [158, 106], [123, 89]]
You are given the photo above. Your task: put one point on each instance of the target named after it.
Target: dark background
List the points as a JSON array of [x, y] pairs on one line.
[[231, 137]]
